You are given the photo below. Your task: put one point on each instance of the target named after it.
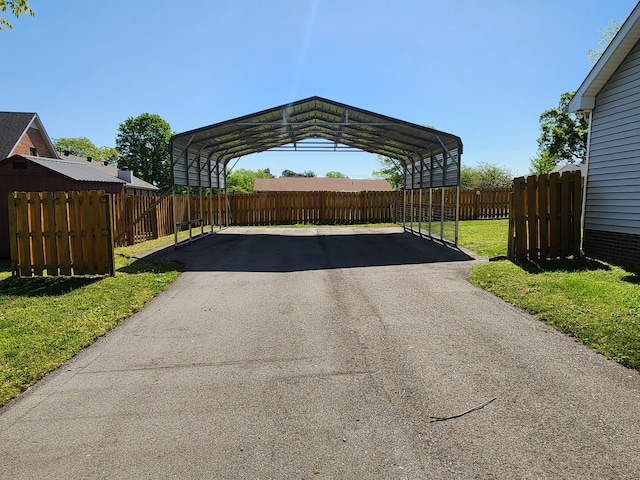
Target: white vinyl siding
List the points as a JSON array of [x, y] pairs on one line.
[[613, 190]]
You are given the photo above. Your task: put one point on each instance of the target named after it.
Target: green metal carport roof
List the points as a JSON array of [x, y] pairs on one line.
[[431, 158]]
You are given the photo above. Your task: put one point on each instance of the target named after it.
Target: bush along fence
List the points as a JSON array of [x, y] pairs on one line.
[[545, 217], [62, 233]]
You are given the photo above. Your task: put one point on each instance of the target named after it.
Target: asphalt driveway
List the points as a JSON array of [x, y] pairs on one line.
[[324, 353]]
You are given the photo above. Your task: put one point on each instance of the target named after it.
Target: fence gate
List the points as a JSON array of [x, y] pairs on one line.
[[545, 215], [61, 233]]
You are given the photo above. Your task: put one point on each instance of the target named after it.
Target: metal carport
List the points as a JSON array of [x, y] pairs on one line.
[[429, 158]]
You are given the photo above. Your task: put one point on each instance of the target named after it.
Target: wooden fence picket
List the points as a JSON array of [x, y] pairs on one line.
[[61, 233], [545, 216]]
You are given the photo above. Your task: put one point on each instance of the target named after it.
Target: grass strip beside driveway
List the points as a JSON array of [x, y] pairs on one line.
[[46, 320], [596, 303]]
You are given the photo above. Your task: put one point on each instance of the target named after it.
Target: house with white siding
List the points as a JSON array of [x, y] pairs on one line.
[[610, 98]]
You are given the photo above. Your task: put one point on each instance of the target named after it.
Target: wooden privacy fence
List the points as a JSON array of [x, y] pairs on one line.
[[282, 208], [483, 204], [545, 217], [137, 219], [62, 233]]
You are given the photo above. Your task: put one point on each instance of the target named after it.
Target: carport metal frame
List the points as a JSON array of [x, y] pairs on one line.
[[430, 158]]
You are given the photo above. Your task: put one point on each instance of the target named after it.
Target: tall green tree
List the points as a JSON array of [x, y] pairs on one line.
[[606, 35], [143, 146], [83, 147], [390, 170], [542, 163], [291, 173], [563, 136], [485, 175], [17, 7], [242, 179], [334, 174]]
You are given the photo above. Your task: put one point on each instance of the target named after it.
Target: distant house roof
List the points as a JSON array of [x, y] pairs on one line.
[[111, 170], [608, 63], [315, 184], [571, 167], [74, 170], [13, 126]]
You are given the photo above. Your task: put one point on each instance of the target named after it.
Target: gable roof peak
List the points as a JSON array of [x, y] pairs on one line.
[[620, 46]]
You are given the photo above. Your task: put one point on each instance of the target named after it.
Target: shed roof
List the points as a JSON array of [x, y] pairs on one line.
[[74, 170], [109, 169], [613, 56], [322, 184], [12, 126], [312, 124]]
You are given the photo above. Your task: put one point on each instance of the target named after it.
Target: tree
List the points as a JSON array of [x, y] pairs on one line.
[[542, 164], [391, 171], [334, 174], [563, 136], [17, 7], [485, 175], [606, 36], [83, 147], [291, 173], [143, 146], [242, 179]]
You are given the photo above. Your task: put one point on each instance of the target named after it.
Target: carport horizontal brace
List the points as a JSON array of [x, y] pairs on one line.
[[315, 149], [279, 124]]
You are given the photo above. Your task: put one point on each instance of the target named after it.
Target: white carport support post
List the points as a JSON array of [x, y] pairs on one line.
[[457, 211], [201, 212], [442, 209], [175, 224], [226, 199], [412, 206], [420, 210], [444, 165], [430, 212], [404, 200], [189, 211], [219, 195]]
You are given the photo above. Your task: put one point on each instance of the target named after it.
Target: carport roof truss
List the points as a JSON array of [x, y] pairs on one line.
[[432, 158]]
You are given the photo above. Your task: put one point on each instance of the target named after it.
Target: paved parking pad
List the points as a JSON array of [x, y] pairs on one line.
[[323, 353]]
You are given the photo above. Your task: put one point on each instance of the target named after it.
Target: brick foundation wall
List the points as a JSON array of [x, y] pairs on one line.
[[617, 248]]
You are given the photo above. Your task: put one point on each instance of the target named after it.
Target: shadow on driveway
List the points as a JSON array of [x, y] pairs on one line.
[[307, 250]]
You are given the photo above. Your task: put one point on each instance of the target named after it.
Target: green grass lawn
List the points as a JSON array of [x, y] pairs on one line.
[[485, 237], [46, 320], [596, 303]]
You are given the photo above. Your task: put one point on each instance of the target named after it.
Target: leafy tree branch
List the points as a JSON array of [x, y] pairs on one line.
[[16, 7]]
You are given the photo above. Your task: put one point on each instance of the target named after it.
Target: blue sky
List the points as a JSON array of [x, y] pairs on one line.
[[483, 70]]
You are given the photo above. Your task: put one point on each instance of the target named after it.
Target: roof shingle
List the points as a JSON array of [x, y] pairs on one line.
[[12, 126]]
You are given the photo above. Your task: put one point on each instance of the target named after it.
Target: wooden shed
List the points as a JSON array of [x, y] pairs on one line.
[[37, 174], [610, 98]]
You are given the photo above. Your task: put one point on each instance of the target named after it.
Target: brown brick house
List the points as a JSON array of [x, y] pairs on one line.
[[24, 134], [29, 163]]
